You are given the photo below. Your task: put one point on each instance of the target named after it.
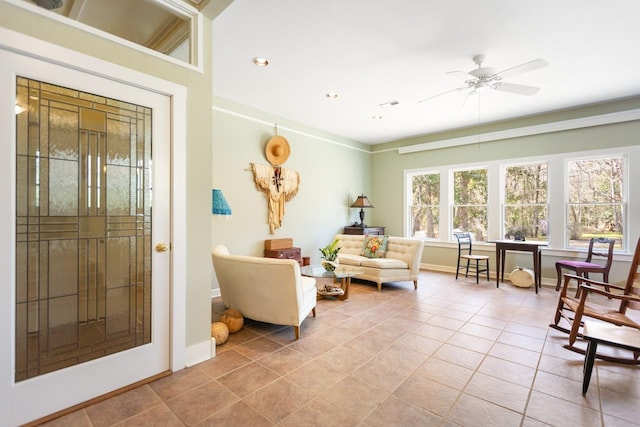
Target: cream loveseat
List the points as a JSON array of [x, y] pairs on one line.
[[265, 289], [400, 263]]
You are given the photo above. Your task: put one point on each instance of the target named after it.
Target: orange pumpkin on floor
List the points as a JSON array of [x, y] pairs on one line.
[[220, 332], [233, 319]]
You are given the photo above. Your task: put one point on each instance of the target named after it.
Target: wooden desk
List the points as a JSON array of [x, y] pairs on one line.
[[535, 247], [617, 336]]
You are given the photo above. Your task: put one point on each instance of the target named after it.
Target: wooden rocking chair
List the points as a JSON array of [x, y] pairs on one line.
[[573, 309]]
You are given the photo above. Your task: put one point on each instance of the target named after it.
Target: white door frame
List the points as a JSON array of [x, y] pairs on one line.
[[29, 46]]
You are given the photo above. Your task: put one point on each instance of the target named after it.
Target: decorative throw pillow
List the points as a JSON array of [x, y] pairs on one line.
[[374, 246]]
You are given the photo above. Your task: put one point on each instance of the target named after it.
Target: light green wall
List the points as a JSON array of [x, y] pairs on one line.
[[388, 186], [333, 171], [394, 164], [333, 174], [198, 308], [618, 106]]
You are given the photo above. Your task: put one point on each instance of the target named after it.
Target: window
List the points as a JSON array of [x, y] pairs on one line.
[[596, 205], [469, 211], [526, 203], [564, 199], [425, 205], [168, 29]]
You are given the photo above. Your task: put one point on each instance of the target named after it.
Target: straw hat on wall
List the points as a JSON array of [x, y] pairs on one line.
[[277, 150]]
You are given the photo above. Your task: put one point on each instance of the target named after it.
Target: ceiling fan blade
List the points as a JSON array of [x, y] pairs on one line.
[[460, 75], [516, 88], [523, 68], [440, 94]]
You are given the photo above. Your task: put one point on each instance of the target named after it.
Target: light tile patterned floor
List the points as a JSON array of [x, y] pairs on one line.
[[450, 353]]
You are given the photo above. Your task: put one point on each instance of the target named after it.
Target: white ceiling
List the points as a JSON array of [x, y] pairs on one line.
[[374, 51]]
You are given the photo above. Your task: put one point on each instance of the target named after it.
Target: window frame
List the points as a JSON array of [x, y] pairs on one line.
[[503, 195], [624, 242], [177, 7], [452, 205], [557, 195], [409, 204]]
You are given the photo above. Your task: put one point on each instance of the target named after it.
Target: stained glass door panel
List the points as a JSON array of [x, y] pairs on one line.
[[83, 227]]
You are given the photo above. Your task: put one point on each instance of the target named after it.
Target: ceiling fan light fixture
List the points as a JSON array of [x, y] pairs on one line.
[[482, 72], [487, 77], [260, 61]]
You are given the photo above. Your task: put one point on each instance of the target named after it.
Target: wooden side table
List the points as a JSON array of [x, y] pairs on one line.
[[617, 336], [377, 231], [535, 247]]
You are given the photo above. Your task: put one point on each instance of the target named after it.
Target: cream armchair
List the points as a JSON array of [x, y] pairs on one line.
[[265, 289]]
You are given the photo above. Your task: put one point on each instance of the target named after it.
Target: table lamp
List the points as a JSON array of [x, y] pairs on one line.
[[362, 202]]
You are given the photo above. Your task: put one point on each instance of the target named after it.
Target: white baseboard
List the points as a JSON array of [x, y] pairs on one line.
[[546, 282], [215, 293], [199, 353]]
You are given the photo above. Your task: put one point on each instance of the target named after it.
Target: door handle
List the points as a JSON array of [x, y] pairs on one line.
[[162, 247]]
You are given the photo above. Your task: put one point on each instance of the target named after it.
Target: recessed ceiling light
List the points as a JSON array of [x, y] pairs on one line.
[[389, 104], [260, 61], [378, 117], [331, 95]]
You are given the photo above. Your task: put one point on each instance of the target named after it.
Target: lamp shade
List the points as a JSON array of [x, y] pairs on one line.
[[362, 202], [219, 204]]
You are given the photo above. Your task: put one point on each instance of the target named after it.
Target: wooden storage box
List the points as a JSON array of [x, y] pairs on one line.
[[275, 244]]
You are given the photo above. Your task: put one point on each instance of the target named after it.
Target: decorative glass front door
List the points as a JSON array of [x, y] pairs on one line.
[[85, 306], [83, 227]]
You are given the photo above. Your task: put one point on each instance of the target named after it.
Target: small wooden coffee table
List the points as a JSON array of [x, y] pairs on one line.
[[601, 333], [341, 276]]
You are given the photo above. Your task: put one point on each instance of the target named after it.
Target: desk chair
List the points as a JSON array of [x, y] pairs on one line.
[[598, 247], [464, 253]]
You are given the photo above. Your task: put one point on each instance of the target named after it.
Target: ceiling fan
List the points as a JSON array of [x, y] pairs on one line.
[[483, 78]]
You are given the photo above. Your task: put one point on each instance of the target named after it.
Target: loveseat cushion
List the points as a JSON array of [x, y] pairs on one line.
[[350, 259], [374, 246], [383, 263]]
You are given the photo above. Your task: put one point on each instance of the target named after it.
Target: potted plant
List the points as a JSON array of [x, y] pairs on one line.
[[330, 255]]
